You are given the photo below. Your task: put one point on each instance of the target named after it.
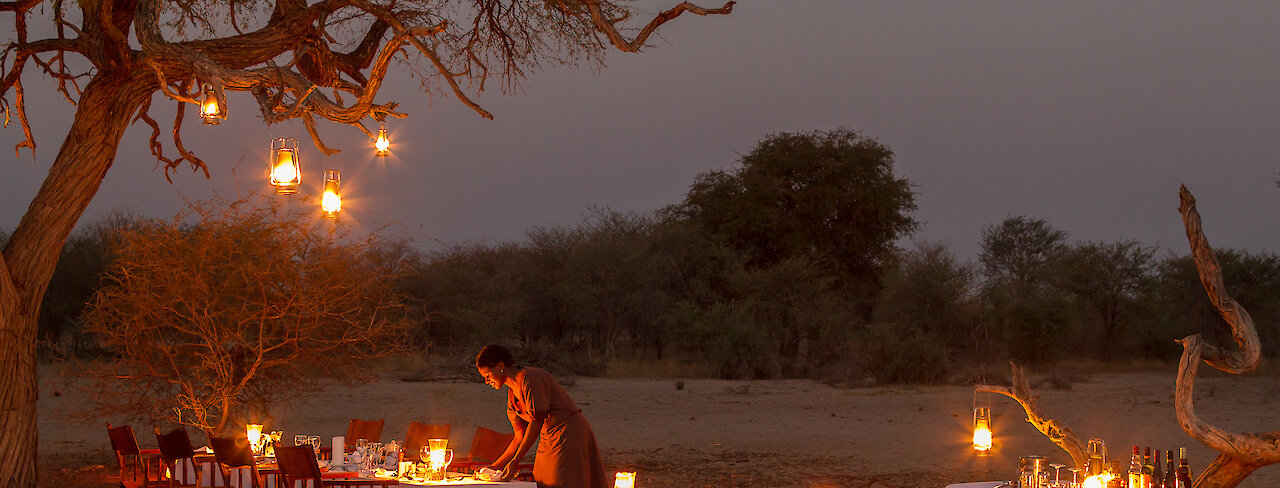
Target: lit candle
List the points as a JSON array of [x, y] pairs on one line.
[[982, 430], [624, 479], [254, 432]]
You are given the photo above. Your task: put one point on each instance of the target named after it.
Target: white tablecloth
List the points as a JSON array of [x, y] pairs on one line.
[[471, 482]]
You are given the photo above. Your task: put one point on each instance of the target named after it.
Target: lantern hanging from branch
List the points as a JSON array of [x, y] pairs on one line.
[[212, 110], [331, 201], [286, 174], [624, 479], [382, 144], [981, 427]]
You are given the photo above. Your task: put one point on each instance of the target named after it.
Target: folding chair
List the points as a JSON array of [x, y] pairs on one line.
[[370, 430], [178, 456], [138, 467], [234, 459], [417, 437]]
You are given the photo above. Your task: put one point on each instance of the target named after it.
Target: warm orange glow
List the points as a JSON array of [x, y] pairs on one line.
[[285, 172], [254, 432], [331, 202], [210, 110], [624, 479], [982, 430], [382, 144], [1097, 481]]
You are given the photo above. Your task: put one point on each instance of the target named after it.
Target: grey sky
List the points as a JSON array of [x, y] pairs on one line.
[[1086, 113]]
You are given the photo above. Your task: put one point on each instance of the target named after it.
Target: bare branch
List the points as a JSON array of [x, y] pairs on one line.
[[606, 25], [1060, 434]]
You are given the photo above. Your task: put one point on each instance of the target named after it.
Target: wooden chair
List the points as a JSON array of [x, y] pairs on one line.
[[417, 437], [487, 446], [298, 467], [138, 467], [363, 429], [233, 455], [178, 456]]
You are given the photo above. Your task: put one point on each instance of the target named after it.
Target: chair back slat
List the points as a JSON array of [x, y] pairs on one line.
[[175, 445], [122, 440], [297, 463], [488, 444], [364, 429], [417, 437]]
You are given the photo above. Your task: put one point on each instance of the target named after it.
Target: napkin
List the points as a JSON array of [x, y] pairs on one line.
[[488, 474], [205, 450]]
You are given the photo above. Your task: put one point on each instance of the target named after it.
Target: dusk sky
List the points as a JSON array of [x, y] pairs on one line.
[[1088, 114]]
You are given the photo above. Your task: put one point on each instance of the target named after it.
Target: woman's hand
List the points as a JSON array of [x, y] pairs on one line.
[[509, 471]]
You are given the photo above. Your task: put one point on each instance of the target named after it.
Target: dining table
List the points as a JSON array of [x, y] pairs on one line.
[[241, 478]]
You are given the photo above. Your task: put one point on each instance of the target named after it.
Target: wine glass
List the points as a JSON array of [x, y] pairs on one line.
[[444, 467], [315, 445], [1075, 482], [1057, 474], [301, 439]]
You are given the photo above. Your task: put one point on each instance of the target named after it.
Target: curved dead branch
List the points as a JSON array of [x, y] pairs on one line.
[[607, 25], [1239, 453], [1061, 435]]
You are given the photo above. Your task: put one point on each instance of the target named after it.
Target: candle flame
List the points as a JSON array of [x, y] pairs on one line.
[[982, 436], [331, 203], [624, 479]]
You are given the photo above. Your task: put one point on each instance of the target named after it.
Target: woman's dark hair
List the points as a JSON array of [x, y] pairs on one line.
[[493, 354]]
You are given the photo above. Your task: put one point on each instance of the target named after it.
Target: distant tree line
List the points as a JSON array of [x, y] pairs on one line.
[[785, 265]]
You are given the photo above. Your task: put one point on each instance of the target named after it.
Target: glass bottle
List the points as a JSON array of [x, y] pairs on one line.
[[1135, 470], [1183, 475]]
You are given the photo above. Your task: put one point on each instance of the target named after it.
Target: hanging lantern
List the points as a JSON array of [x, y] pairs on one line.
[[382, 144], [982, 431], [254, 432], [331, 202], [210, 109], [285, 172], [624, 479]]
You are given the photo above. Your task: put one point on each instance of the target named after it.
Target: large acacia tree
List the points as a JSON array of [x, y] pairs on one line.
[[111, 56]]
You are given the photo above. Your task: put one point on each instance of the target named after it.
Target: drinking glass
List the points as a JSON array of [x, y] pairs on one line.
[[315, 445], [1075, 482], [301, 439], [1057, 474]]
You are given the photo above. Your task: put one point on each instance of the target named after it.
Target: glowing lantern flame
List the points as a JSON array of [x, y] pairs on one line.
[[285, 174], [254, 432], [1097, 481], [331, 202], [982, 430], [210, 110], [382, 143], [624, 479]]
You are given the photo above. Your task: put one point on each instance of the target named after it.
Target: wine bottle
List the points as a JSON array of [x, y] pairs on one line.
[[1135, 469], [1169, 477], [1148, 470], [1157, 474], [1183, 478]]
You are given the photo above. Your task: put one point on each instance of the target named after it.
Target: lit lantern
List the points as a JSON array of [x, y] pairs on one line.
[[624, 479], [982, 431], [254, 432], [331, 202], [438, 458], [1097, 481], [382, 144], [210, 109], [285, 173]]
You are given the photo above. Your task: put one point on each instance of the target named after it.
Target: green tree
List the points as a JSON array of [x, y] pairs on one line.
[[1026, 311], [240, 308], [830, 197], [1107, 280], [299, 60], [930, 291]]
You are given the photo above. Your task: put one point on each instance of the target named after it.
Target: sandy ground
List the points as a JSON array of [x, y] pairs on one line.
[[757, 434]]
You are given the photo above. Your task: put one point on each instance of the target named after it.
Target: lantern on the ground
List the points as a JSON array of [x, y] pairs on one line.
[[331, 201], [211, 110], [254, 432], [382, 144], [982, 430], [285, 172], [624, 479]]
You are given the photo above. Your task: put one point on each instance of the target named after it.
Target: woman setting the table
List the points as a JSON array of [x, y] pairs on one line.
[[567, 453]]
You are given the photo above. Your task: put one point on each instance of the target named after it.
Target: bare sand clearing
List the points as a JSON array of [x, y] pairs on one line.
[[758, 434]]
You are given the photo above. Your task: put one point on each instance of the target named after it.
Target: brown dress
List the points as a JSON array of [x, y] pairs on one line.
[[568, 456]]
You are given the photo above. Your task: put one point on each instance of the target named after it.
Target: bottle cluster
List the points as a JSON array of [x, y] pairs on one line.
[[1146, 471]]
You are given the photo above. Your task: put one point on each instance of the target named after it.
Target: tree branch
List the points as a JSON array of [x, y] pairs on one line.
[[606, 25], [1060, 434]]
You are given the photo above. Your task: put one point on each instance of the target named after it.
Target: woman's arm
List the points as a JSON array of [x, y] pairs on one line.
[[527, 438], [517, 426]]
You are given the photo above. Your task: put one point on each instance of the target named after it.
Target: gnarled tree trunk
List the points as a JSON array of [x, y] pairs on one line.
[[31, 254]]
